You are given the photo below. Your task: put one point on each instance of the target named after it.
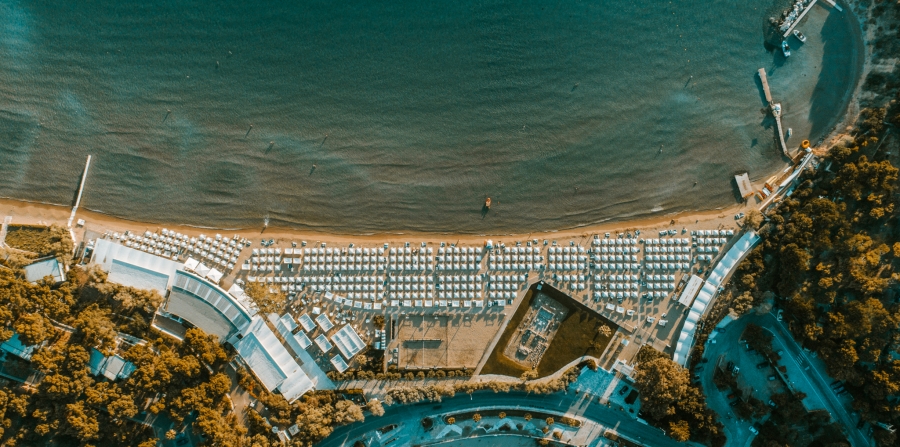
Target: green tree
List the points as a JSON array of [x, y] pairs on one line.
[[679, 431], [98, 330], [33, 329]]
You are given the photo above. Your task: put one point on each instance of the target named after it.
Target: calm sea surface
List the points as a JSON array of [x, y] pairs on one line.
[[404, 115]]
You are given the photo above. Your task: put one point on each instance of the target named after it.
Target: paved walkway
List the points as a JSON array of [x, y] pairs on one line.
[[3, 229]]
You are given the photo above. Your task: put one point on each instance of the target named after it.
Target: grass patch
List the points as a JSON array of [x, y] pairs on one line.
[[43, 241], [578, 335]]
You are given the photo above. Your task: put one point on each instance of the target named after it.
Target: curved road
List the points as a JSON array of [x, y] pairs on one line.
[[577, 405], [738, 431]]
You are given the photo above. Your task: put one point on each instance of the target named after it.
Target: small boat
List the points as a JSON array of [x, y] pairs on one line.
[[799, 35], [487, 203], [785, 49]]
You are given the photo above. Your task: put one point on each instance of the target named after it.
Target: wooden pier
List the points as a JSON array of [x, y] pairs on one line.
[[80, 191], [765, 84], [775, 108]]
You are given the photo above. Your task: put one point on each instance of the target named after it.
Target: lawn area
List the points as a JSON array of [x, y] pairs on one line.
[[41, 240], [578, 335]]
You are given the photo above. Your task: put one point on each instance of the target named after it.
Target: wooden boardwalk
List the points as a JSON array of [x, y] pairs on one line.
[[772, 108], [765, 84]]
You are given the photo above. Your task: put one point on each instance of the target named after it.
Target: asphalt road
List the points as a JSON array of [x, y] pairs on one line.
[[738, 431], [561, 403]]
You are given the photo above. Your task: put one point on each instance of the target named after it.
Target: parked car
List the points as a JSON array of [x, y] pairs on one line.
[[772, 403], [704, 360], [720, 329], [754, 430], [735, 371], [836, 383], [762, 365], [623, 390], [738, 216], [731, 396], [698, 369], [734, 403], [772, 377]]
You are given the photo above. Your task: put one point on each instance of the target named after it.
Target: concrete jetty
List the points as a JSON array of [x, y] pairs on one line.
[[80, 191], [775, 108], [835, 5], [800, 17]]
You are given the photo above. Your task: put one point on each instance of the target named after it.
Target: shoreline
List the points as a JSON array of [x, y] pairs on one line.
[[35, 213], [641, 220], [863, 50]]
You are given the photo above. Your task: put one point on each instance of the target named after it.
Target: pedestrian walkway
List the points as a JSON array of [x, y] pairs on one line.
[[6, 222]]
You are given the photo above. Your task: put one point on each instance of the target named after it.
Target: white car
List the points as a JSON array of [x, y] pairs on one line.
[[738, 216], [754, 430]]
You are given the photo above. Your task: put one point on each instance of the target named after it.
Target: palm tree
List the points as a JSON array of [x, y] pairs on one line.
[[550, 421], [451, 420], [527, 416], [502, 415]]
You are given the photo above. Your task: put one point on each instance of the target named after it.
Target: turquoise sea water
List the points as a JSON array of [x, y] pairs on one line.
[[404, 116]]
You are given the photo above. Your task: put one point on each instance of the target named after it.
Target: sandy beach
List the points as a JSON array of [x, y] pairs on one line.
[[31, 213]]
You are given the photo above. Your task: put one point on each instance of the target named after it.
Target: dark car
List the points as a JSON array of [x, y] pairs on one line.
[[836, 384], [720, 330], [698, 369], [704, 360], [762, 365], [182, 441], [734, 403], [623, 390], [731, 396]]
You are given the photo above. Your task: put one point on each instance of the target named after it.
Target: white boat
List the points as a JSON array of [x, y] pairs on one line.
[[799, 35], [785, 49], [789, 132]]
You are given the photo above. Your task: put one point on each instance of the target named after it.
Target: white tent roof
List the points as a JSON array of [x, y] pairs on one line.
[[191, 264], [202, 270], [214, 275], [708, 292], [270, 361], [348, 342], [307, 322]]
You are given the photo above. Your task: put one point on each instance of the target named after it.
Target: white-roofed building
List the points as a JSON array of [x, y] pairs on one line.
[[348, 342], [134, 268], [690, 290], [708, 292], [112, 367], [270, 361], [43, 268], [207, 306]]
